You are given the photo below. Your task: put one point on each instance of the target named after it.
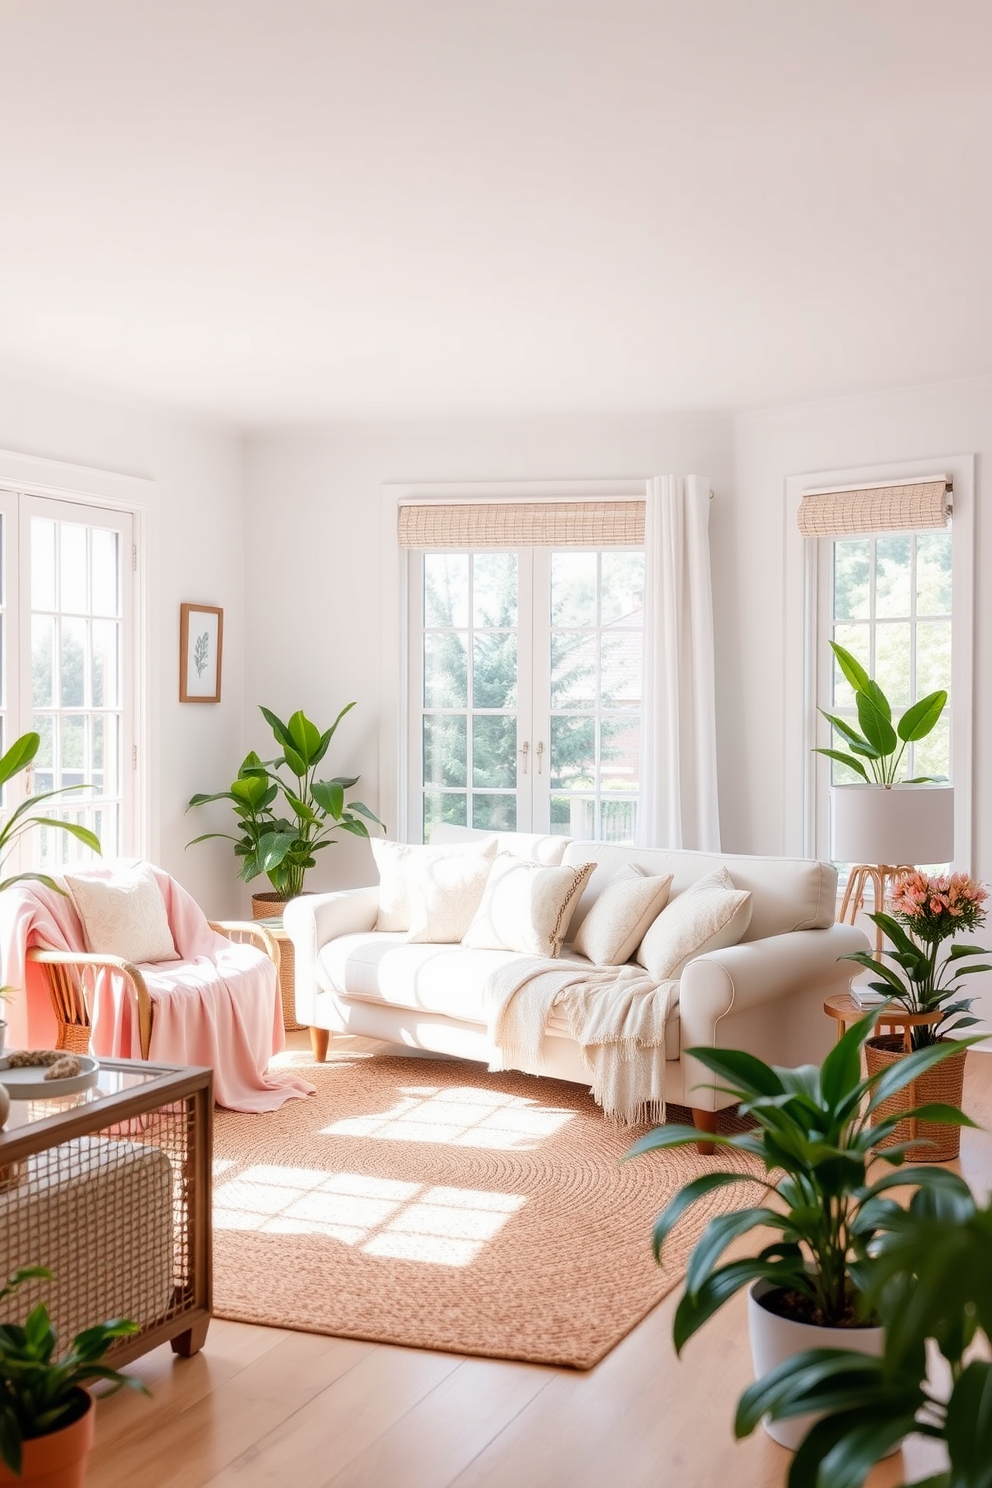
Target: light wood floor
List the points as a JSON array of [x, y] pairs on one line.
[[264, 1406]]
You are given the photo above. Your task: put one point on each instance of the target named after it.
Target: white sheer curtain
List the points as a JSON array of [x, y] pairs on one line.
[[679, 806]]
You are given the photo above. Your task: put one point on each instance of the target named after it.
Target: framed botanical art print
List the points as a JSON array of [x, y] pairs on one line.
[[201, 639]]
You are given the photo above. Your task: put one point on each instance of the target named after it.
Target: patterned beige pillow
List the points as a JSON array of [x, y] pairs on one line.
[[526, 906], [398, 862], [123, 915], [615, 925], [710, 915], [444, 896]]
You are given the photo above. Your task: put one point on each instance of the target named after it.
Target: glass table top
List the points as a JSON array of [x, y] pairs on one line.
[[114, 1079]]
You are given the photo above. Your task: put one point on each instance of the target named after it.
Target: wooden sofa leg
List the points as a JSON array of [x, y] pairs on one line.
[[319, 1040], [704, 1121]]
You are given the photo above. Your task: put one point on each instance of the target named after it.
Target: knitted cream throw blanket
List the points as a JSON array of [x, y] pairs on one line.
[[616, 1015]]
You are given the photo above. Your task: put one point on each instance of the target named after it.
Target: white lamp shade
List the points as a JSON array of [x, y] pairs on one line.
[[904, 824]]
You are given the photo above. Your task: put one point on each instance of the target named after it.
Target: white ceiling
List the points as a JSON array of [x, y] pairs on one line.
[[270, 211]]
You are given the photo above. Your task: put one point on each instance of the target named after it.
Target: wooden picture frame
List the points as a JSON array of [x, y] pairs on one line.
[[201, 646]]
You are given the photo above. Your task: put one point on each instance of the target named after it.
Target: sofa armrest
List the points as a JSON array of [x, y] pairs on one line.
[[764, 971], [314, 919]]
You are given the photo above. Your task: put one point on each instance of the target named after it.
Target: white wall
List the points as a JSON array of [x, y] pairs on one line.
[[195, 552], [313, 582], [923, 424]]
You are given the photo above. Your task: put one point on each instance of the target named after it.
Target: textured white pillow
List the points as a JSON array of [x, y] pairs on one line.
[[526, 906], [615, 925], [710, 915], [124, 915], [398, 862], [444, 895]]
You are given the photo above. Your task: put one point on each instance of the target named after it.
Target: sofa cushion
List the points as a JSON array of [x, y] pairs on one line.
[[399, 862], [786, 893], [448, 980], [526, 906], [444, 896], [708, 916], [624, 911]]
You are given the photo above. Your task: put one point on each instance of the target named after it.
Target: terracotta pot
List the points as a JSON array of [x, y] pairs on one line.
[[775, 1338], [57, 1460], [945, 1083]]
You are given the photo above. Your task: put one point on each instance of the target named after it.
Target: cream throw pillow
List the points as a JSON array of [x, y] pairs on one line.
[[124, 915], [526, 906], [710, 915], [444, 896], [615, 925], [399, 862]]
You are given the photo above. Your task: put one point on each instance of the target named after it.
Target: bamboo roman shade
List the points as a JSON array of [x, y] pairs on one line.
[[522, 524], [896, 508]]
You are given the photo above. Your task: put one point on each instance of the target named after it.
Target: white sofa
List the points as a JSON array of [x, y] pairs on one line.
[[764, 995]]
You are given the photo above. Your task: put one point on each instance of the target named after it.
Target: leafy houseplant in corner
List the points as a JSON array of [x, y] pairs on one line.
[[926, 912], [813, 1133], [283, 846], [931, 1284], [25, 816], [881, 822], [46, 1414]]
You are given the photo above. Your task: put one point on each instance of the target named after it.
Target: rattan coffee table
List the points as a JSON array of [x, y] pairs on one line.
[[110, 1188]]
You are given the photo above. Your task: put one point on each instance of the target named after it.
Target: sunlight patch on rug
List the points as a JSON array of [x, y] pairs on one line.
[[434, 1204]]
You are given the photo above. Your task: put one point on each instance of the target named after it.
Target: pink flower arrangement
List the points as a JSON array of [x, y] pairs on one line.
[[924, 912], [936, 908]]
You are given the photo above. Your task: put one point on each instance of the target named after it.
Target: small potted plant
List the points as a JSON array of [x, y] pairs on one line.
[[814, 1136], [46, 1413], [930, 1283], [927, 912], [283, 846]]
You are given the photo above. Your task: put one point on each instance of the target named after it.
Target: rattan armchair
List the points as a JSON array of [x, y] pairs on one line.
[[70, 976]]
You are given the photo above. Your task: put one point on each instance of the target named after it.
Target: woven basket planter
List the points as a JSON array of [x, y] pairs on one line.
[[944, 1083], [264, 907]]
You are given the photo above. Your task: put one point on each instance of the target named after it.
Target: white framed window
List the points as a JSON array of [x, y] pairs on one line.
[[901, 600], [525, 673], [68, 658]]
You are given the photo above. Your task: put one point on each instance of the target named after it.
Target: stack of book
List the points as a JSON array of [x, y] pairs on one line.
[[866, 998]]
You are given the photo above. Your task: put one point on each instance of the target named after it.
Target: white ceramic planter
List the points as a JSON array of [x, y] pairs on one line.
[[901, 824], [774, 1339]]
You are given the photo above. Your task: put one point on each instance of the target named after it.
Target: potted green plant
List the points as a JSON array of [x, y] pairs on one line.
[[927, 912], [876, 750], [18, 757], [285, 814], [814, 1136], [879, 821], [46, 1413], [930, 1282]]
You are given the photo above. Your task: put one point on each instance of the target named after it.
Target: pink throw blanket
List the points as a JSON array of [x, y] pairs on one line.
[[218, 1005]]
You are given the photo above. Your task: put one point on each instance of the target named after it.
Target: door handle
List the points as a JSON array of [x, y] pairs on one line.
[[525, 751], [539, 751]]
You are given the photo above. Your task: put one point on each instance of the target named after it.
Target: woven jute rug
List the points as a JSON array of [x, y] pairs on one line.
[[430, 1203]]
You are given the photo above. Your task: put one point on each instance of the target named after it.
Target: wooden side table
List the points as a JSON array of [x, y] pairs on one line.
[[846, 1010]]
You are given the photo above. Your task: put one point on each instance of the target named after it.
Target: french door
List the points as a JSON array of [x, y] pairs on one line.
[[67, 666], [525, 680]]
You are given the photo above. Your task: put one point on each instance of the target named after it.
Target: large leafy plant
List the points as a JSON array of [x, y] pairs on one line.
[[40, 1393], [812, 1132], [875, 750], [285, 814], [926, 912], [930, 1281], [25, 816]]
